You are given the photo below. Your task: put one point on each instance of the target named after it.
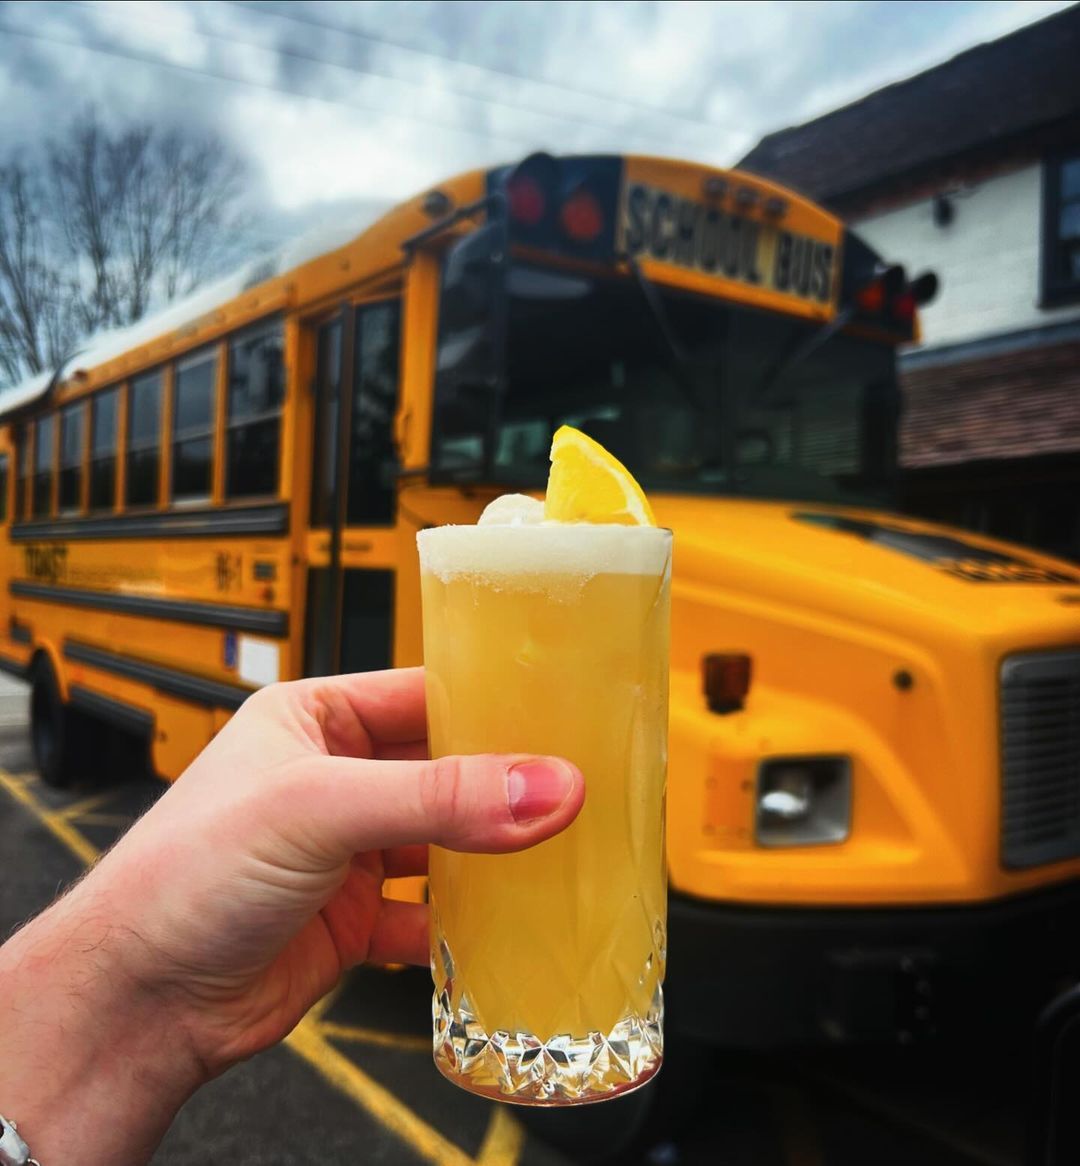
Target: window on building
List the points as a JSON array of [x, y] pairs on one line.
[[3, 487], [143, 440], [22, 471], [71, 457], [44, 455], [253, 412], [103, 416], [1061, 229], [193, 428]]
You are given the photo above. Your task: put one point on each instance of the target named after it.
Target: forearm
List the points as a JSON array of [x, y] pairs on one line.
[[94, 1065]]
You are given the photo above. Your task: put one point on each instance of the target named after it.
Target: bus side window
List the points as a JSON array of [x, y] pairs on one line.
[[193, 428], [3, 487], [253, 412], [143, 438], [71, 458], [22, 471], [44, 454], [372, 459], [103, 415]]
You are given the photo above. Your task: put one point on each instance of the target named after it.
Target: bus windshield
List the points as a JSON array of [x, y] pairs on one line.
[[589, 352]]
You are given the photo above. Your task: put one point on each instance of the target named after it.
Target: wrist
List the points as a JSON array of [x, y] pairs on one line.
[[95, 1065]]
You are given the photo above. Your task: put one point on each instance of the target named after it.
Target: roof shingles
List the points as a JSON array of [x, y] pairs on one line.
[[994, 92]]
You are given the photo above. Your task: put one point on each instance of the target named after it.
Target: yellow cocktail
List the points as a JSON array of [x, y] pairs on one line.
[[552, 639]]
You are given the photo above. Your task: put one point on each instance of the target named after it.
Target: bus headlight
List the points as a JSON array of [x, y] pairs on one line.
[[803, 801]]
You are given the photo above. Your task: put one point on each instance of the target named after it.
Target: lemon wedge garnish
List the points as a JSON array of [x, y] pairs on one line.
[[587, 484]]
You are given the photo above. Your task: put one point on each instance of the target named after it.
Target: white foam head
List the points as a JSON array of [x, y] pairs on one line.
[[584, 549]]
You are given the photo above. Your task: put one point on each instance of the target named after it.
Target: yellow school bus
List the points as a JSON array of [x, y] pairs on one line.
[[875, 758]]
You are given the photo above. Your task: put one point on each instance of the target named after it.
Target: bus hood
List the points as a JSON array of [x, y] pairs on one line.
[[873, 567]]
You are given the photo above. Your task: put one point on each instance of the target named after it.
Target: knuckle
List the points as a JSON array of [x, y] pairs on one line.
[[262, 700], [445, 789]]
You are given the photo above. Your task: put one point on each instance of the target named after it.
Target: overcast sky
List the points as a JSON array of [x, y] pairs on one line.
[[373, 101]]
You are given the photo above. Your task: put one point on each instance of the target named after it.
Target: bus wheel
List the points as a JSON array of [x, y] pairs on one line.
[[56, 731]]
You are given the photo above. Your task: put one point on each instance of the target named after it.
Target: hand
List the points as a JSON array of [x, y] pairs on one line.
[[257, 880], [239, 899]]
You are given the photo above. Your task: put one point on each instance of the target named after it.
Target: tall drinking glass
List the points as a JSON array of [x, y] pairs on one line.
[[552, 639]]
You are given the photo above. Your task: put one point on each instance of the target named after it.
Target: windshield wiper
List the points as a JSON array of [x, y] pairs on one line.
[[682, 362], [891, 280], [802, 350]]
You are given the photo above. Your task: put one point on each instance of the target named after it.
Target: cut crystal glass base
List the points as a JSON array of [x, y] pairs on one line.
[[566, 1070]]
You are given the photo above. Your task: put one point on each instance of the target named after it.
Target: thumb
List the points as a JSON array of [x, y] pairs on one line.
[[485, 803]]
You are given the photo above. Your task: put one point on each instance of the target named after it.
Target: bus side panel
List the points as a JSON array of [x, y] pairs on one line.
[[181, 731]]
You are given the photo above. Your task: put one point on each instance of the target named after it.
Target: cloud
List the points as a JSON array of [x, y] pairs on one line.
[[434, 88], [161, 28]]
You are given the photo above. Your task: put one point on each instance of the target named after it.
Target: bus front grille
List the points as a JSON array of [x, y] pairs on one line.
[[1040, 757]]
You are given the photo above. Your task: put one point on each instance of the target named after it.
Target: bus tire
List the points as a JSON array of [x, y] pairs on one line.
[[57, 732]]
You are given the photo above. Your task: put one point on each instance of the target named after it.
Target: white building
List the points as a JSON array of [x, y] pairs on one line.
[[972, 169]]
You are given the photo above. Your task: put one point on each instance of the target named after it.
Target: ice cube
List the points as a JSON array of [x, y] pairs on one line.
[[512, 510]]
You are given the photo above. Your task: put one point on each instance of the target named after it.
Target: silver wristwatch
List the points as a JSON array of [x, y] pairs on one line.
[[13, 1150]]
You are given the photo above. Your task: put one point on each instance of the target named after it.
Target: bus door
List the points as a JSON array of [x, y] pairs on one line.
[[350, 593]]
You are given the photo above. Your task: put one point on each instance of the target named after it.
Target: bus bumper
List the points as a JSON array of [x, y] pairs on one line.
[[759, 977]]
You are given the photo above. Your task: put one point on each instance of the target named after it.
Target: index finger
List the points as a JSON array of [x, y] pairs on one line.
[[366, 709]]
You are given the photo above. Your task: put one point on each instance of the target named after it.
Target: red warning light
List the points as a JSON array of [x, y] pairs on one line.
[[903, 307], [871, 298], [526, 199], [581, 217]]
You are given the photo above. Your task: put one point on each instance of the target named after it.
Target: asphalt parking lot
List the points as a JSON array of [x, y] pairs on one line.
[[355, 1083]]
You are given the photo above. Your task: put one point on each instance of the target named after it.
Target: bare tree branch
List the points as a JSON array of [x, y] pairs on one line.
[[105, 225], [35, 305]]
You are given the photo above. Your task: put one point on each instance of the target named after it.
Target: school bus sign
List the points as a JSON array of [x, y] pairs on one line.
[[691, 234]]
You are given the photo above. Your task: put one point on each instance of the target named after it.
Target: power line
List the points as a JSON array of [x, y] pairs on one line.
[[125, 53], [299, 55], [388, 42]]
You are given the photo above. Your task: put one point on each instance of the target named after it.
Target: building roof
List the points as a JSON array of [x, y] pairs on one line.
[[996, 91]]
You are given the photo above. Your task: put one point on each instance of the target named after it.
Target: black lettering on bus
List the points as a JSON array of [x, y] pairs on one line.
[[782, 268], [751, 234], [663, 226], [46, 562], [821, 284], [229, 570], [732, 245], [801, 265], [733, 249], [637, 205], [711, 232], [687, 231]]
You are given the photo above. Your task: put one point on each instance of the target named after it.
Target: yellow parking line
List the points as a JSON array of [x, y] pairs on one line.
[[383, 1105], [80, 809], [503, 1141], [321, 1006], [118, 821], [372, 1036], [55, 822], [305, 1040]]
